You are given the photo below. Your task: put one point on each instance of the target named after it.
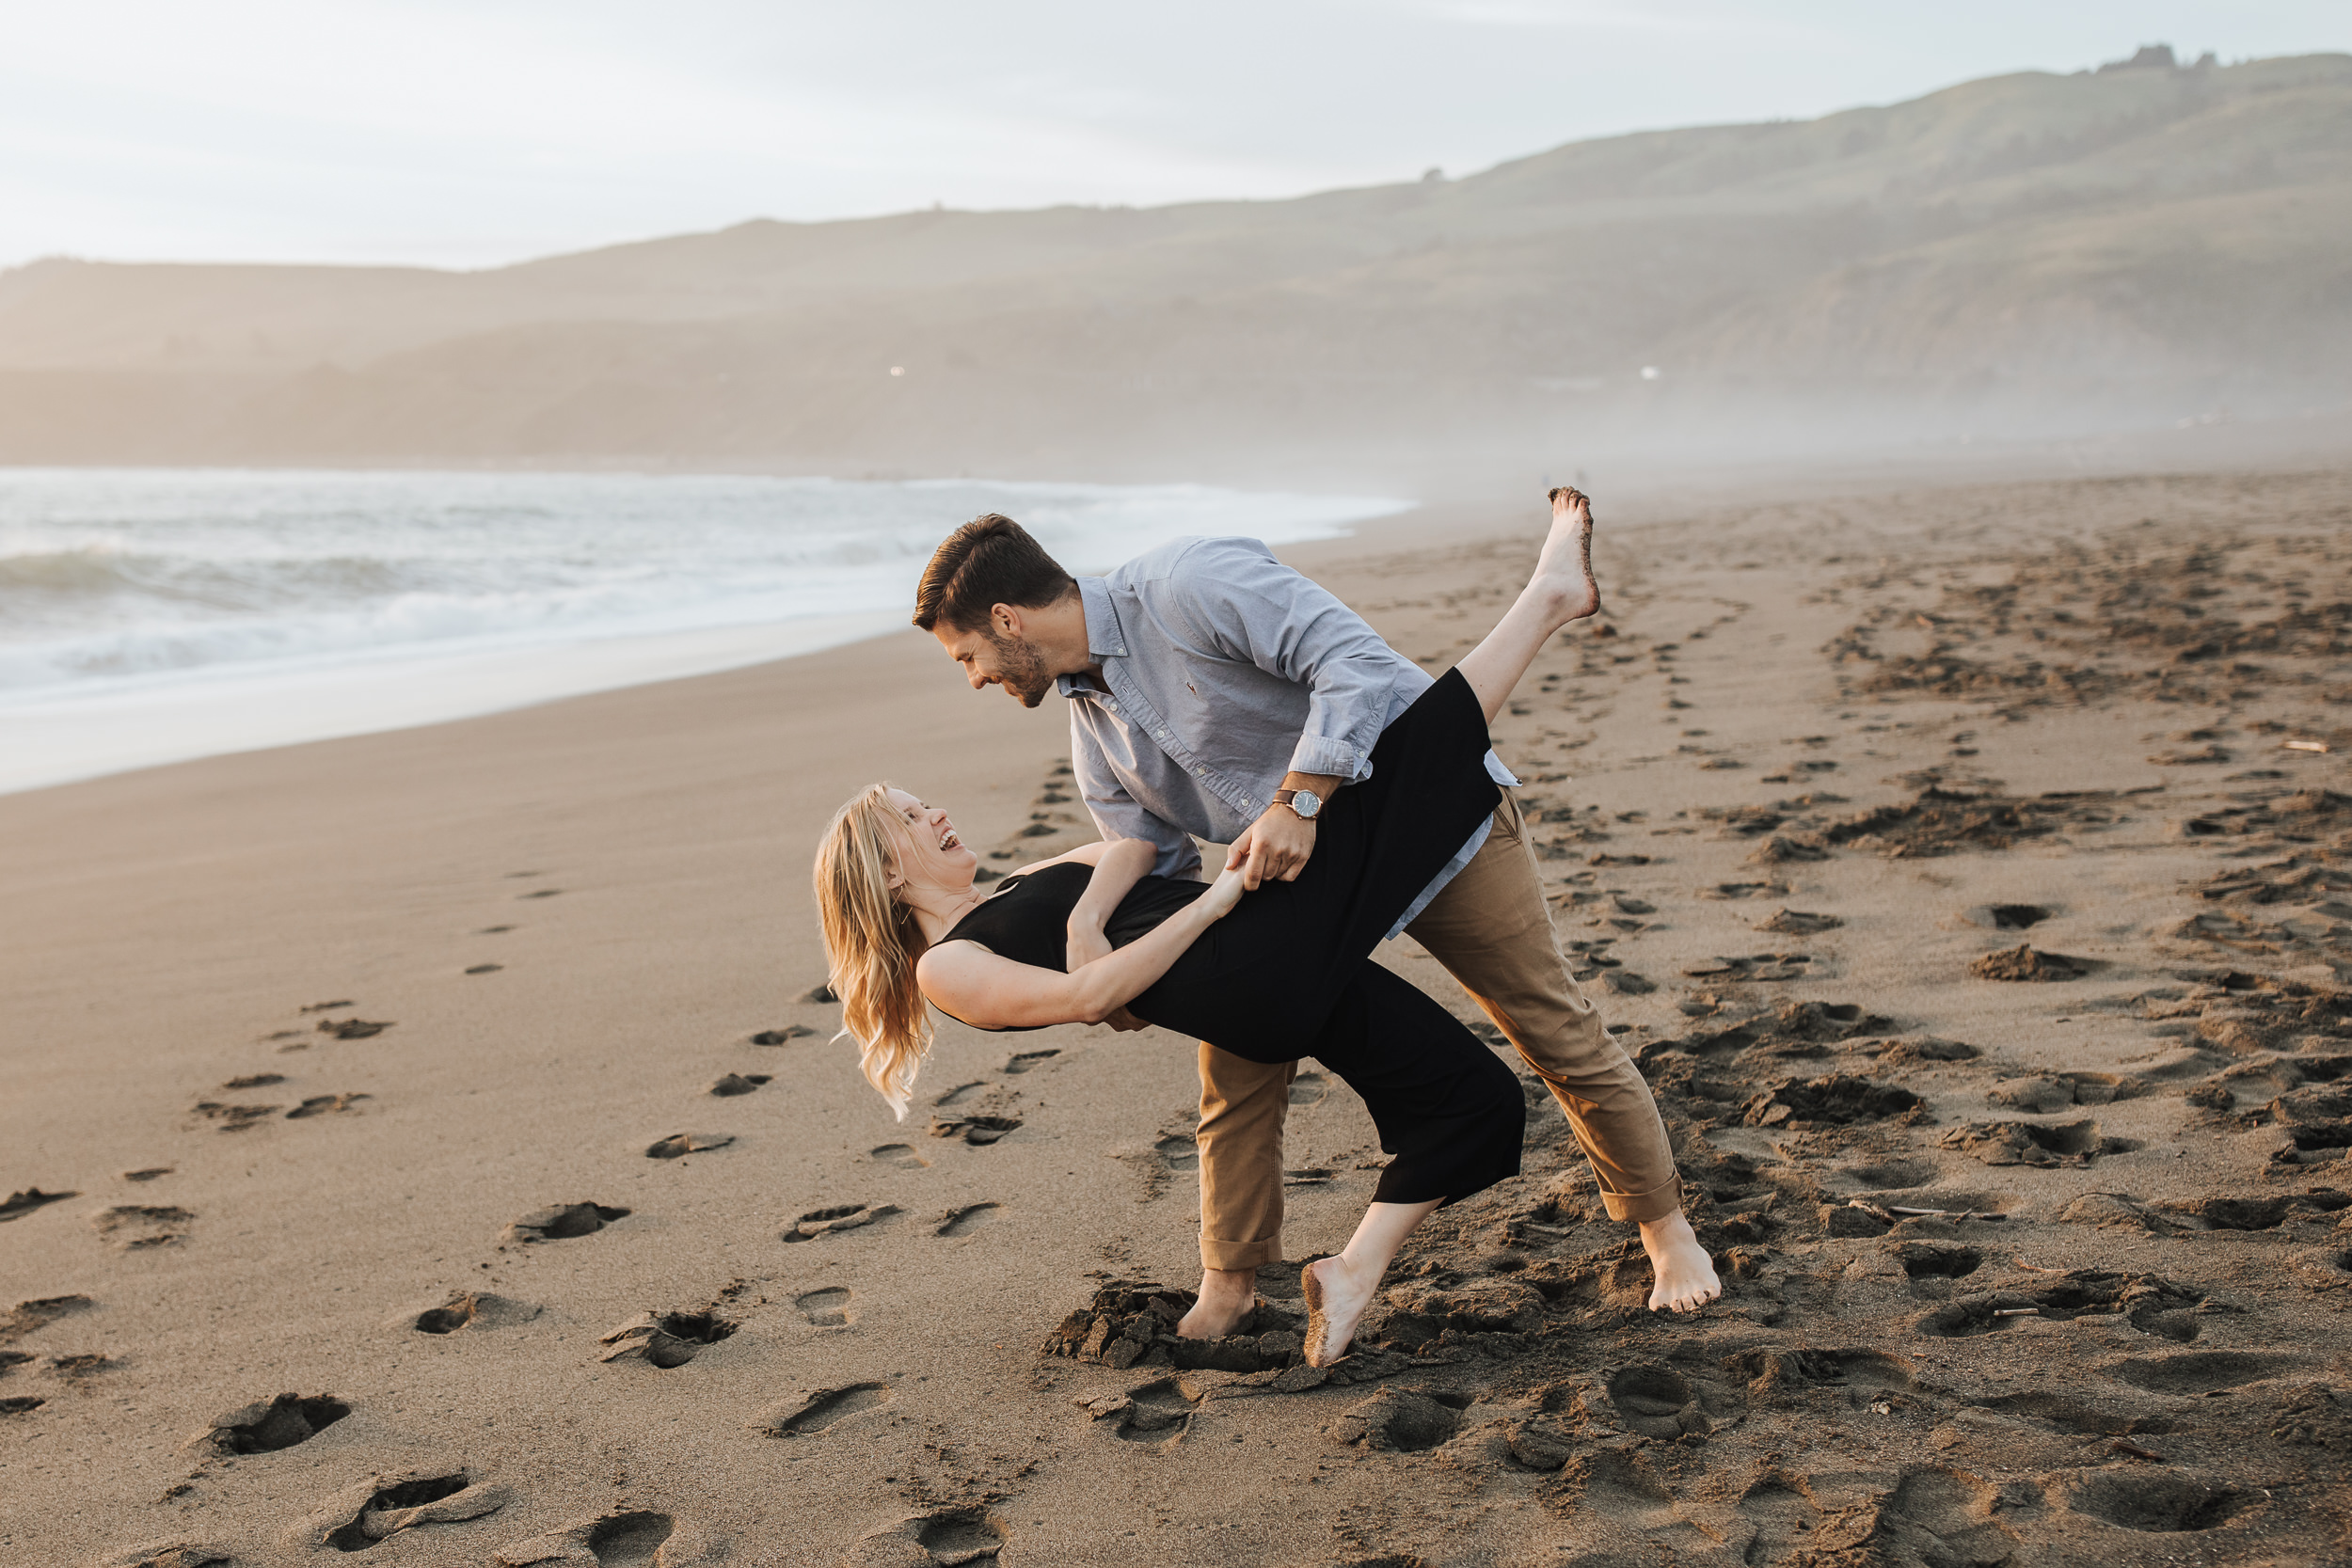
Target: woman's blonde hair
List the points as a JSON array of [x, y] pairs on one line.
[[872, 944]]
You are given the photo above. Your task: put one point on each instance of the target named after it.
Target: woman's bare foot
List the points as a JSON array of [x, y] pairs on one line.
[[1226, 1296], [1686, 1275], [1336, 1298], [1566, 561]]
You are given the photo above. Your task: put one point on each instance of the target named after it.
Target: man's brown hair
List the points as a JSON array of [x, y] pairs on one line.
[[988, 562]]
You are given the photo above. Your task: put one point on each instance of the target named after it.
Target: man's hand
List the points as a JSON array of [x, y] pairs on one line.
[[1277, 846]]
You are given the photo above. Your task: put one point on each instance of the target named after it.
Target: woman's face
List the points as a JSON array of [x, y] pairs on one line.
[[929, 853]]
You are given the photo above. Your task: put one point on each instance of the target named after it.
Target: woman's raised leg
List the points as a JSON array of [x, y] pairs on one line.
[[1561, 590]]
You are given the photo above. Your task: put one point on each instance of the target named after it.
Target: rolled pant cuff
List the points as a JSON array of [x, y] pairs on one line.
[[1240, 1254], [1642, 1208]]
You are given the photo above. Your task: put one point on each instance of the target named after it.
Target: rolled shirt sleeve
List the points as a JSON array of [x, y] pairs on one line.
[[1249, 605], [1118, 814]]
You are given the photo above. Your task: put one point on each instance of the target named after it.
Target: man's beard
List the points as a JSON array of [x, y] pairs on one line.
[[1019, 670]]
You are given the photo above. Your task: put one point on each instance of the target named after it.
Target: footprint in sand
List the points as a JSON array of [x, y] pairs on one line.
[[267, 1427], [977, 1131], [946, 1536], [665, 1338], [469, 1310], [352, 1028], [961, 1092], [1027, 1060], [1936, 1261], [1745, 890], [1797, 923], [234, 1119], [73, 1369], [26, 1317], [963, 1221], [562, 1223], [785, 1036], [382, 1506], [843, 1216], [678, 1144], [135, 1227], [20, 1204], [170, 1554], [639, 1538], [827, 1307], [814, 1411], [2161, 1502], [2029, 963], [1310, 1088], [1784, 1376], [2024, 1143], [734, 1083], [148, 1173], [1177, 1152], [2200, 1373], [1659, 1402], [325, 1104], [1839, 1099], [901, 1155], [1158, 1412]]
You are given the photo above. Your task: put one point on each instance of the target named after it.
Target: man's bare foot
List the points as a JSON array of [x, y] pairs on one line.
[[1686, 1275], [1336, 1298], [1226, 1296], [1566, 560]]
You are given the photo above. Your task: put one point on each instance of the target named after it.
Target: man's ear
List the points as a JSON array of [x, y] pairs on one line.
[[1006, 619]]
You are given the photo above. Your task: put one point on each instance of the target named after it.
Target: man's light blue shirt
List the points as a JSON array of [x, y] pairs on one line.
[[1222, 671]]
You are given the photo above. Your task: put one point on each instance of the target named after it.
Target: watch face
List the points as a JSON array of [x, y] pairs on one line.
[[1306, 803]]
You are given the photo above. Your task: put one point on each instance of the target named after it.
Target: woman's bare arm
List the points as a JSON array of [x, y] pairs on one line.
[[969, 982], [1085, 854], [1123, 864]]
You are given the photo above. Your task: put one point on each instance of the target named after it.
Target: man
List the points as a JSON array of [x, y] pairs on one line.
[[1216, 694]]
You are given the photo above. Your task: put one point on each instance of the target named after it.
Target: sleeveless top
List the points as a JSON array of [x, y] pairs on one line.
[[1027, 919]]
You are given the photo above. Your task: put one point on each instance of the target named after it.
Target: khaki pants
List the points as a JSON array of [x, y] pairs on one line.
[[1488, 927]]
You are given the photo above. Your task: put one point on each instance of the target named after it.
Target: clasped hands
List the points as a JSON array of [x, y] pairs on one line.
[[1276, 846]]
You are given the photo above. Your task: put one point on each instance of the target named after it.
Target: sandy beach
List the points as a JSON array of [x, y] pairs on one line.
[[1966, 866]]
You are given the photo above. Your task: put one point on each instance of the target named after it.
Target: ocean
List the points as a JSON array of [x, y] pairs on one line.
[[153, 615]]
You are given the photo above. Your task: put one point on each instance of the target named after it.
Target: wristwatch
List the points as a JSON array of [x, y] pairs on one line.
[[1306, 803]]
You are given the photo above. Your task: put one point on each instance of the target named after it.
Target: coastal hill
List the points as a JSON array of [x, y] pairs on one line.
[[2137, 246]]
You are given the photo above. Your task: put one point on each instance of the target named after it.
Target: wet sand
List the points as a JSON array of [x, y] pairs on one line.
[[1935, 850]]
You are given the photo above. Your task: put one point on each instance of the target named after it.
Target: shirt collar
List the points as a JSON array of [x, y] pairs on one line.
[[1106, 638]]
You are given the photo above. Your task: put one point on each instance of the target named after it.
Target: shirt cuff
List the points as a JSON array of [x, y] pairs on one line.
[[1331, 758]]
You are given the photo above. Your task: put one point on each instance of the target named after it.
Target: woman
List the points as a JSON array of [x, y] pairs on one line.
[[1283, 973]]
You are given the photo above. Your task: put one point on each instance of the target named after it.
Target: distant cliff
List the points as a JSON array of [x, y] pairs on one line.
[[2027, 252]]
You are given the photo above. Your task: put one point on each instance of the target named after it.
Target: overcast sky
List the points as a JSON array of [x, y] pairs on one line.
[[469, 133]]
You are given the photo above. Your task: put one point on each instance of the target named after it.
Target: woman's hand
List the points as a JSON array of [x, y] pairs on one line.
[[1227, 890]]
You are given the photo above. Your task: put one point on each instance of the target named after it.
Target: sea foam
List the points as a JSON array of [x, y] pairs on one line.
[[153, 615]]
